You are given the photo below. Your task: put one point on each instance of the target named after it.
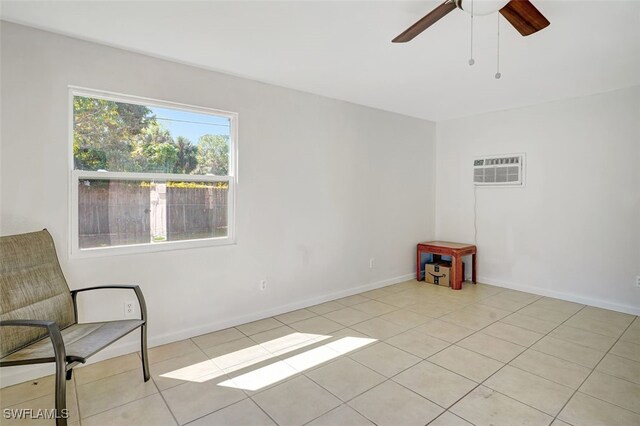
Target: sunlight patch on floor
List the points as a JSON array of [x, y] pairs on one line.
[[234, 361], [270, 374], [200, 372]]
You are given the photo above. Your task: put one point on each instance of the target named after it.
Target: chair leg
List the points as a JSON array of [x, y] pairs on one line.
[[61, 395], [69, 374], [145, 357]]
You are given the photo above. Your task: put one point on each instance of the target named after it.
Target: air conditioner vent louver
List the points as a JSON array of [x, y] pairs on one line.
[[499, 170]]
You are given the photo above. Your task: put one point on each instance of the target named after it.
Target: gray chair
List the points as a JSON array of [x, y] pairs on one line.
[[39, 314]]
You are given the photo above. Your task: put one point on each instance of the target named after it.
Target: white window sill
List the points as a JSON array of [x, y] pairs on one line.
[[150, 247]]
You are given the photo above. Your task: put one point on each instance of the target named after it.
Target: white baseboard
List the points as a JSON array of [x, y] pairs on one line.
[[570, 297], [13, 375]]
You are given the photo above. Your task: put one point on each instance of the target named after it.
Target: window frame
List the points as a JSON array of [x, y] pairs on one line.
[[76, 175]]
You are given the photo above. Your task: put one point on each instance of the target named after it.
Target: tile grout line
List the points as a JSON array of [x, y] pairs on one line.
[[75, 388], [342, 402], [396, 308], [164, 400], [591, 372], [427, 359], [478, 331], [413, 365], [379, 341], [344, 327], [617, 377], [246, 398], [594, 332], [282, 357], [128, 402], [77, 395], [505, 364], [151, 379], [263, 410], [622, 356], [530, 347]]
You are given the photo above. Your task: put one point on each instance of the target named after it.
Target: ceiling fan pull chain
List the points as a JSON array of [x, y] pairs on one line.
[[498, 74], [471, 60]]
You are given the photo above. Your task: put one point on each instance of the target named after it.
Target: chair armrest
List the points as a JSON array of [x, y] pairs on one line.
[[52, 330], [29, 323], [100, 287], [134, 287]]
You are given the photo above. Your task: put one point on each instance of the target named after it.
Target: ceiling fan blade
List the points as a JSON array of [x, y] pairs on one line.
[[432, 17], [524, 17]]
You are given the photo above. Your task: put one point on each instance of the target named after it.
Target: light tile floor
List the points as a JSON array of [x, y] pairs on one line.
[[406, 354]]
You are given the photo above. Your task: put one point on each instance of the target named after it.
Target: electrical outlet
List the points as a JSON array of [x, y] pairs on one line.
[[263, 285], [371, 263], [637, 280], [129, 308]]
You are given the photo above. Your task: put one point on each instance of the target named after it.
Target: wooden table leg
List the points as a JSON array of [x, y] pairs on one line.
[[456, 273], [474, 268], [418, 264]]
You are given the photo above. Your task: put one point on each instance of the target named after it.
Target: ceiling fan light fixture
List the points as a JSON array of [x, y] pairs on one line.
[[481, 7], [521, 14]]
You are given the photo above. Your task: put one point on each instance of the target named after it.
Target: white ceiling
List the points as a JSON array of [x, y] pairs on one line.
[[343, 49]]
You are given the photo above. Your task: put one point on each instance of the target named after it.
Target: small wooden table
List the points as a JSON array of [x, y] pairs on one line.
[[456, 251]]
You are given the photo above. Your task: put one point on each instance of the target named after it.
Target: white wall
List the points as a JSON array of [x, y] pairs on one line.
[[574, 231], [323, 186]]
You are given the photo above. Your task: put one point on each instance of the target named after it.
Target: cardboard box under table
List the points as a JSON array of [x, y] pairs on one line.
[[439, 273]]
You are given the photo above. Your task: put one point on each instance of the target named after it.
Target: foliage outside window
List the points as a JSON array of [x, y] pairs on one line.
[[149, 173]]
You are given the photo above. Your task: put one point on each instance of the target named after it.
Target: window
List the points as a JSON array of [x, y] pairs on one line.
[[149, 175]]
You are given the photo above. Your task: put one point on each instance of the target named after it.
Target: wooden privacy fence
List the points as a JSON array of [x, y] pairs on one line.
[[196, 212], [119, 212]]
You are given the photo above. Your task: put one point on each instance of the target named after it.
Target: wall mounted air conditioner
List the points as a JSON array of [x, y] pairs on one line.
[[499, 170]]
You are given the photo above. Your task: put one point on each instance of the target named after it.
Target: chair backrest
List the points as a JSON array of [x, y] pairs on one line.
[[31, 287]]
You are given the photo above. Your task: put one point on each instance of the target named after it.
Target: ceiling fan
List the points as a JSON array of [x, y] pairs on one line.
[[520, 13]]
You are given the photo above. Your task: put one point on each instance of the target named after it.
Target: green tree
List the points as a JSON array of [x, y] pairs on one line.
[[161, 157], [154, 133], [213, 155], [187, 160], [154, 150], [136, 118], [105, 132]]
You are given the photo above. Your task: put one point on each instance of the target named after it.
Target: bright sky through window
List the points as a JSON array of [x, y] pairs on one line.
[[191, 125]]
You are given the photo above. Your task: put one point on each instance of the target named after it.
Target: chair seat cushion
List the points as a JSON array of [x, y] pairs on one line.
[[80, 340]]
